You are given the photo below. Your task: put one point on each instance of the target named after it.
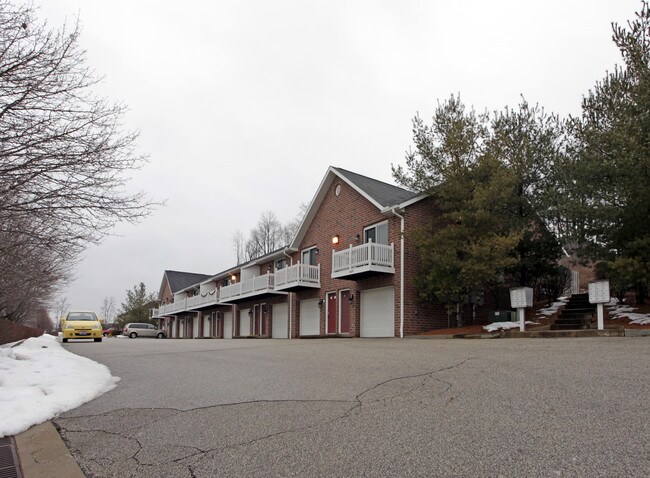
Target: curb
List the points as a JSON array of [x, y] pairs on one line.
[[42, 453]]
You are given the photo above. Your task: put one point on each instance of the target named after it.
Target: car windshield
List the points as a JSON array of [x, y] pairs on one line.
[[81, 316]]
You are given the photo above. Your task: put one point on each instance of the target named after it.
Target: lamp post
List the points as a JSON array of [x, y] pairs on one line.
[[599, 295], [520, 298]]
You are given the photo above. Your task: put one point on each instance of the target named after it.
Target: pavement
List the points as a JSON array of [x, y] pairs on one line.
[[385, 407], [43, 454]]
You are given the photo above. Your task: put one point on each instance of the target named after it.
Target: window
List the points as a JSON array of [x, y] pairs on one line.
[[377, 233], [309, 256], [280, 264]]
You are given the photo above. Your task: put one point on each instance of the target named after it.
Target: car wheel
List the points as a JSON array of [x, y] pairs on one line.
[[133, 335], [160, 335], [65, 340], [98, 340]]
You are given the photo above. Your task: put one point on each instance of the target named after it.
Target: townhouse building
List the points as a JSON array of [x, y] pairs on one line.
[[349, 271]]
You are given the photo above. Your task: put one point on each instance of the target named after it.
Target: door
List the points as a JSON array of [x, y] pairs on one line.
[[309, 317], [207, 330], [332, 316], [344, 311], [181, 329], [378, 312], [227, 325], [280, 323], [244, 322]]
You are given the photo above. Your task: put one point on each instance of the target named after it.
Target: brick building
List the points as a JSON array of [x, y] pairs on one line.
[[349, 271]]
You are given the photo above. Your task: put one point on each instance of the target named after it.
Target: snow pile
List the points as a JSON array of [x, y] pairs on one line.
[[617, 311], [39, 379], [505, 325], [548, 311]]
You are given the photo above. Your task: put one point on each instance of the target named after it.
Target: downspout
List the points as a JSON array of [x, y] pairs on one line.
[[401, 273], [290, 301]]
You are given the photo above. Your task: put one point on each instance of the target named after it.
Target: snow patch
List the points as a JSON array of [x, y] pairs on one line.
[[40, 379], [505, 325]]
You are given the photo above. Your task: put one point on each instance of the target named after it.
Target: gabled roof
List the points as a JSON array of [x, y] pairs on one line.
[[180, 280], [382, 195]]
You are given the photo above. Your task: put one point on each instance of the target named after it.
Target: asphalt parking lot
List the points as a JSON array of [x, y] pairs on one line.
[[366, 407]]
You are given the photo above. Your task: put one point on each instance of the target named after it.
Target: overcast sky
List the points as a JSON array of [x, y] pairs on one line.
[[242, 105]]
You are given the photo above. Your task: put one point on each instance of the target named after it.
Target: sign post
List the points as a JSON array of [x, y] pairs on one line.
[[520, 298], [599, 295]]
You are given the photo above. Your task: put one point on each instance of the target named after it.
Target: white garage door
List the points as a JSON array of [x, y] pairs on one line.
[[378, 312], [227, 325], [206, 326], [195, 327], [280, 321], [181, 329], [309, 317], [244, 323]]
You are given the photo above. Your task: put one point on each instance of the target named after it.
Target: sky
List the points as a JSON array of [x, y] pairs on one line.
[[243, 105]]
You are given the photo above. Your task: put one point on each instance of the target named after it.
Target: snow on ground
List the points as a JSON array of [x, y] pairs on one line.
[[548, 311], [40, 379], [616, 311], [505, 325]]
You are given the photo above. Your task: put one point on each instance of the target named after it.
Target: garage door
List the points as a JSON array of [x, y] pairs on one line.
[[280, 321], [206, 326], [378, 312], [195, 327], [181, 329], [244, 323], [227, 325], [309, 317]]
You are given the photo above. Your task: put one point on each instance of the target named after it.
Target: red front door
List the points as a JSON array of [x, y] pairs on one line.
[[331, 313], [345, 312]]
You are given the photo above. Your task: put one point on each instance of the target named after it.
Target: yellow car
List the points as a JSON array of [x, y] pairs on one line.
[[81, 324]]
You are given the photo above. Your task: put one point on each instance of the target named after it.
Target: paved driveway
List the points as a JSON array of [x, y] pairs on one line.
[[367, 407]]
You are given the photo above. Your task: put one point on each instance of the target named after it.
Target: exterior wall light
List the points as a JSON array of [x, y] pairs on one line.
[[351, 298], [335, 240], [320, 303], [233, 277]]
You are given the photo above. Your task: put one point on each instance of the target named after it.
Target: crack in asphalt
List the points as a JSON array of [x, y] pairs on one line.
[[356, 408]]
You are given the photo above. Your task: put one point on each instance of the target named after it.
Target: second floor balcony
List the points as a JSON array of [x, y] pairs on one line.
[[297, 277], [197, 302], [254, 287], [362, 260]]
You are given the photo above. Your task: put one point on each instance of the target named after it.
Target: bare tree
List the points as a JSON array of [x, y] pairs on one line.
[[239, 245], [265, 237], [108, 310], [60, 308], [64, 159]]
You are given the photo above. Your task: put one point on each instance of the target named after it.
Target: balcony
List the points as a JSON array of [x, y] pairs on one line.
[[255, 287], [363, 260], [206, 299], [297, 277], [187, 305]]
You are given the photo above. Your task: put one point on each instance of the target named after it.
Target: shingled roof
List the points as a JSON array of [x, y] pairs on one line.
[[383, 193], [180, 280]]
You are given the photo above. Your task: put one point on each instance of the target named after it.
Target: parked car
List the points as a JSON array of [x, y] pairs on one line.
[[110, 330], [81, 324], [142, 330]]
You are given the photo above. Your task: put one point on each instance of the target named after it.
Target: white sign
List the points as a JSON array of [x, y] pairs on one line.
[[521, 297], [599, 292]]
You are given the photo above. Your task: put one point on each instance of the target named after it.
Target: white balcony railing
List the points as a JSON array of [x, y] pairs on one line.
[[368, 257], [297, 275], [248, 287], [203, 300], [191, 303]]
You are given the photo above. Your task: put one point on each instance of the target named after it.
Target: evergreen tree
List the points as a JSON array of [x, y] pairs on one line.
[[489, 176], [137, 305], [611, 197]]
